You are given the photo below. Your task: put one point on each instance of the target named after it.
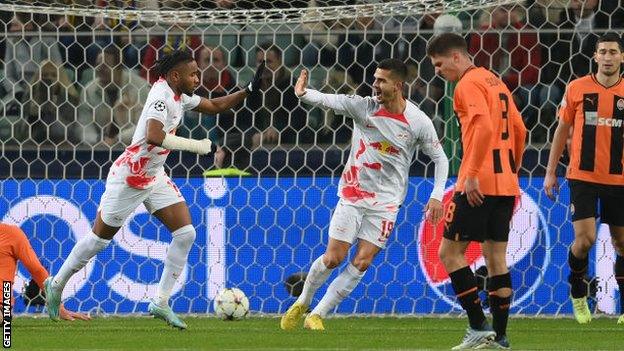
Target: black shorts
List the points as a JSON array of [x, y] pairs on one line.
[[584, 198], [490, 221]]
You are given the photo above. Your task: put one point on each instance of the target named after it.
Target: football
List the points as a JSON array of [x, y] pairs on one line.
[[447, 23], [231, 304]]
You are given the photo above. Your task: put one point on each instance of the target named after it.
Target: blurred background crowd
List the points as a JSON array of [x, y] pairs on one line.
[[80, 82]]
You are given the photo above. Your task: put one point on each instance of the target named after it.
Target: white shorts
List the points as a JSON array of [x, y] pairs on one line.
[[351, 222], [120, 200]]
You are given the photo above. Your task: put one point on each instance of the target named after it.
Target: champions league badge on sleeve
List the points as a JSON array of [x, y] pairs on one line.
[[160, 106]]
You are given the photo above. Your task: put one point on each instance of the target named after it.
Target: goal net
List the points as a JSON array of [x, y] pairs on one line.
[[75, 75]]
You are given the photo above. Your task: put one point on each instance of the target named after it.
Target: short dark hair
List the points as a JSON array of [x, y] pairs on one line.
[[610, 37], [396, 68], [168, 62], [441, 44]]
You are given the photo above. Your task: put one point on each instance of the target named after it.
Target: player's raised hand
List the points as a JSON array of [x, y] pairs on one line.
[[434, 211], [254, 85], [551, 186], [302, 83], [473, 192]]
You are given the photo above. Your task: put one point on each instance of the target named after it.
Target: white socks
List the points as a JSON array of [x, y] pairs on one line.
[[80, 255], [91, 244], [340, 288], [316, 277], [177, 255]]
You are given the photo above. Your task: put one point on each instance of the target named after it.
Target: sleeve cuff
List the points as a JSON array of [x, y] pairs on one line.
[[194, 101], [311, 96], [437, 194]]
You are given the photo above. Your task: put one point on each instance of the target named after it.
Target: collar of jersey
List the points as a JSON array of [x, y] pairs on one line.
[[176, 97]]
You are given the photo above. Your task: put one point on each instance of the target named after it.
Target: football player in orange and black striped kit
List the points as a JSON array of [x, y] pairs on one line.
[[593, 107], [14, 246], [493, 137]]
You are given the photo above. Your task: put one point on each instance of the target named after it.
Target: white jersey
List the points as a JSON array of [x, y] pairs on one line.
[[141, 163], [383, 145]]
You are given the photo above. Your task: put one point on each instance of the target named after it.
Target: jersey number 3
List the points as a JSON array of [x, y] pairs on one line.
[[496, 156]]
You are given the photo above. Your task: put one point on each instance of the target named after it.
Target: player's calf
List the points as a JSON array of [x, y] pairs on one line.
[[499, 288], [465, 286], [578, 268]]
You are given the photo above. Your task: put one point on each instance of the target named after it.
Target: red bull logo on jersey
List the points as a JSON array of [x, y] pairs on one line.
[[528, 251], [385, 148]]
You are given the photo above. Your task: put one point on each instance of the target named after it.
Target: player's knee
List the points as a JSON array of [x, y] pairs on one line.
[[362, 263], [332, 260], [583, 242], [497, 265]]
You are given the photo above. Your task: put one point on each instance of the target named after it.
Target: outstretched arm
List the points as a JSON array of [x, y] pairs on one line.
[[156, 135], [220, 104], [348, 105], [28, 257]]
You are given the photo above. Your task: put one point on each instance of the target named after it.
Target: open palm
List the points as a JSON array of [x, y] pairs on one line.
[[302, 83]]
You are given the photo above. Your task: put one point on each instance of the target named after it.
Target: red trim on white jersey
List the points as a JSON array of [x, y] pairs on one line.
[[175, 96], [382, 112]]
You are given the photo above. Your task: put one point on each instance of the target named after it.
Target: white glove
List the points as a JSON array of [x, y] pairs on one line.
[[174, 142]]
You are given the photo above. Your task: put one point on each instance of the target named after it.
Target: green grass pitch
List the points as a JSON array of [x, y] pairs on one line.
[[357, 333]]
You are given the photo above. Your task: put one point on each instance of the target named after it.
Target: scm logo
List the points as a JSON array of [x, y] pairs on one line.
[[603, 121]]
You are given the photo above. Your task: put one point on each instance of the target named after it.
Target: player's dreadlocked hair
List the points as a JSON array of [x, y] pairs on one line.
[[167, 62]]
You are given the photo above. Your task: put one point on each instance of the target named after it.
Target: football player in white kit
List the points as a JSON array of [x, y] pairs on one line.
[[138, 176], [387, 130]]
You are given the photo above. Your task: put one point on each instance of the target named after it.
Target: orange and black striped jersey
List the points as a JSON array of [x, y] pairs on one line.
[[596, 114], [483, 102]]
